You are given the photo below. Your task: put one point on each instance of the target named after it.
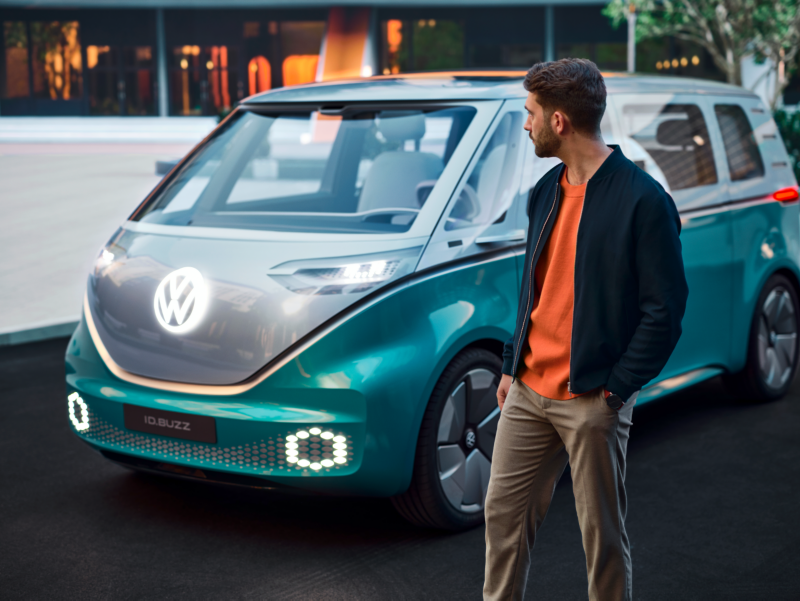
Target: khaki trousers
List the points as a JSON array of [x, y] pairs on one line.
[[536, 438]]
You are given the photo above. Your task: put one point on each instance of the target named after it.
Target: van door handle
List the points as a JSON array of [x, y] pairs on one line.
[[511, 236]]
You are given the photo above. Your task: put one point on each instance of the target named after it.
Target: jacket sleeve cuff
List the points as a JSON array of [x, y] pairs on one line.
[[617, 386], [508, 366]]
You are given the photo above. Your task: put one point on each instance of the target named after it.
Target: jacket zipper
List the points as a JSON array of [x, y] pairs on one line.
[[574, 282], [530, 282]]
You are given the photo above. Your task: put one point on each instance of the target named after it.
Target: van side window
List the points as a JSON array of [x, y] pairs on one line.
[[671, 143], [741, 148], [490, 188]]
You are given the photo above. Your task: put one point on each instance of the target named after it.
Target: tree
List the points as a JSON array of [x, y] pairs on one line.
[[727, 29], [779, 42]]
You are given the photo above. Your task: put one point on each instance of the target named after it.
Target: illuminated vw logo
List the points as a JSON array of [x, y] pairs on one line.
[[181, 300]]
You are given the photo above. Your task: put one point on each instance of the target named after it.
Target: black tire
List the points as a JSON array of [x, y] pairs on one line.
[[772, 348], [475, 374]]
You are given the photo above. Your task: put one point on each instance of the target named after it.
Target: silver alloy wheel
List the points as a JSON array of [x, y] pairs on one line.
[[777, 335], [465, 440]]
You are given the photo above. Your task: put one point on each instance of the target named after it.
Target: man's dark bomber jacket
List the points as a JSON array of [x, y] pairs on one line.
[[630, 287]]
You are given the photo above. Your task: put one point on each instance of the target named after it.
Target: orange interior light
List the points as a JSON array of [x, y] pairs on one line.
[[300, 69], [786, 195], [260, 75]]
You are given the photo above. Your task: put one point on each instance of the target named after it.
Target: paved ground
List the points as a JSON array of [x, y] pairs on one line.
[[60, 203], [66, 185], [713, 485]]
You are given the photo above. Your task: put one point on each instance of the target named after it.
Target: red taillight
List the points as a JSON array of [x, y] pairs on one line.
[[786, 195]]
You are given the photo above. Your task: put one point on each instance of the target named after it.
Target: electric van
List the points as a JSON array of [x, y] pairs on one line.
[[315, 299]]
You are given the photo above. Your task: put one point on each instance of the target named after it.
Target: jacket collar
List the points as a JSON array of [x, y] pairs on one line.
[[613, 162]]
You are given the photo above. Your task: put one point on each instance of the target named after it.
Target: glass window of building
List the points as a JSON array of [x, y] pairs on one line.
[[505, 55], [16, 83], [670, 56], [421, 45], [102, 66], [56, 60], [139, 80], [259, 75], [609, 56], [203, 81], [121, 80], [300, 43], [299, 69]]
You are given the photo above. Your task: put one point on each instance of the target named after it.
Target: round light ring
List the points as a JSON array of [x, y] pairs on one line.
[[74, 400], [316, 458]]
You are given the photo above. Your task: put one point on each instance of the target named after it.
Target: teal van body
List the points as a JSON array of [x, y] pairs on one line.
[[338, 383], [353, 390]]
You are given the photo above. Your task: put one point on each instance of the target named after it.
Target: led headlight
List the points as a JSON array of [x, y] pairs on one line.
[[356, 273], [316, 448], [75, 405], [345, 275]]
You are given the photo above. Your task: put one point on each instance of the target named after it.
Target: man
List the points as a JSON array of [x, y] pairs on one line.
[[603, 294]]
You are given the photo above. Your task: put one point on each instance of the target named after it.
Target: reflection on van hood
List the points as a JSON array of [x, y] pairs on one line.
[[215, 311]]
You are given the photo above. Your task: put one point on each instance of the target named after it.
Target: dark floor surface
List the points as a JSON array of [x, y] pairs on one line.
[[714, 496]]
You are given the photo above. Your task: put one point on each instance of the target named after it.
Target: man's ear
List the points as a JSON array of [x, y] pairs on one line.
[[559, 123]]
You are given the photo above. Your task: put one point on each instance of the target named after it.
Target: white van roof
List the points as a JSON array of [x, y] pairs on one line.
[[473, 85]]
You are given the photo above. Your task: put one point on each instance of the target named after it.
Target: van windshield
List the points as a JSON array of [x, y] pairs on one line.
[[361, 172]]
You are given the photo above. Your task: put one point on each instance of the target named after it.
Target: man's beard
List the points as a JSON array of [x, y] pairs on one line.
[[547, 142]]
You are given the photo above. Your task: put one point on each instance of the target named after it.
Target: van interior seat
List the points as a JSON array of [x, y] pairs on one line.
[[393, 177]]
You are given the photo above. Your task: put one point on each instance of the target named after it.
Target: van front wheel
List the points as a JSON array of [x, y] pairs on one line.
[[772, 351], [454, 450]]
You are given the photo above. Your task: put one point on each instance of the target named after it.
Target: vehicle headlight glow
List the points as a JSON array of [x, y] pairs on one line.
[[375, 271], [316, 448], [344, 275], [74, 400]]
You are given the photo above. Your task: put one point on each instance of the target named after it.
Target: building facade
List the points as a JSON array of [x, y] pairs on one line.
[[174, 58]]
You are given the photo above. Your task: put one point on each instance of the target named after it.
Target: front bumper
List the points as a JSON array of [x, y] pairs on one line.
[[274, 450]]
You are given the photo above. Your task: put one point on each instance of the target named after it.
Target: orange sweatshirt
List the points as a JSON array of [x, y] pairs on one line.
[[546, 359]]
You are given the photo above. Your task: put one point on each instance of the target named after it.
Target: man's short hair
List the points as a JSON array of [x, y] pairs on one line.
[[573, 86]]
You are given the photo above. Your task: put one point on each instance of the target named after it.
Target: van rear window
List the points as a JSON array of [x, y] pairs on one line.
[[741, 148]]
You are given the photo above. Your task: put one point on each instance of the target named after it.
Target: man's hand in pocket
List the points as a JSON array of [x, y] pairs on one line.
[[502, 390]]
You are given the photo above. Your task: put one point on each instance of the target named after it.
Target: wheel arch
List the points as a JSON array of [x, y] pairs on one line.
[[788, 270], [487, 338]]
